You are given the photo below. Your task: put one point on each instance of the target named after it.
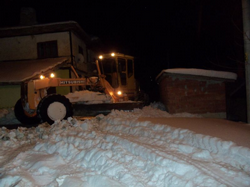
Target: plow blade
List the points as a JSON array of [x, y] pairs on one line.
[[104, 108]]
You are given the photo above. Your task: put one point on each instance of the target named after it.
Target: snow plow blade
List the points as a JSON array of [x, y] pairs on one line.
[[104, 108]]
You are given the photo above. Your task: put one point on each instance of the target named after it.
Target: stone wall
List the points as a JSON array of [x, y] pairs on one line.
[[193, 94]]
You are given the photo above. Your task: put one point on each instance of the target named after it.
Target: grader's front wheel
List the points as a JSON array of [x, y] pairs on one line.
[[54, 107], [22, 116]]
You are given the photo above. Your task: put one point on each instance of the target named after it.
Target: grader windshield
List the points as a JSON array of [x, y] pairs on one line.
[[119, 72], [109, 69]]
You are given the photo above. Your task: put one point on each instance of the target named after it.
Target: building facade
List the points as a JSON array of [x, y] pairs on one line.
[[40, 42], [195, 91]]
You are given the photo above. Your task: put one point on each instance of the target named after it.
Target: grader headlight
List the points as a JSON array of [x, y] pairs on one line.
[[100, 57], [119, 93], [52, 75], [42, 76]]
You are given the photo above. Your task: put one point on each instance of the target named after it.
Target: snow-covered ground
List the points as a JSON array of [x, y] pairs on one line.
[[144, 147]]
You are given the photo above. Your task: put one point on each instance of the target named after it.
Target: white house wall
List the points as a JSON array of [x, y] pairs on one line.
[[25, 47], [76, 42]]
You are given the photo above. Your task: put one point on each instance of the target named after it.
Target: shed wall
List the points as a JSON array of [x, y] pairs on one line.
[[193, 95]]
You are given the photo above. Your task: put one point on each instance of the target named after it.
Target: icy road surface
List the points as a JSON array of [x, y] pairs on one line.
[[119, 150]]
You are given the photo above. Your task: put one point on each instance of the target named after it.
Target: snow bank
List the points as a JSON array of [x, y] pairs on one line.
[[155, 110], [117, 150], [201, 72], [7, 116]]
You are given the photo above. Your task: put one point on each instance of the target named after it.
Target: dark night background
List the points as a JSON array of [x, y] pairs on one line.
[[165, 34]]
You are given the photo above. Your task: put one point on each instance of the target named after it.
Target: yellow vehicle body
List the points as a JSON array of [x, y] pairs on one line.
[[34, 91], [37, 88], [41, 102], [119, 72]]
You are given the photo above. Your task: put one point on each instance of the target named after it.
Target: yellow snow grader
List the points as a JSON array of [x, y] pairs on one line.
[[39, 101], [119, 72]]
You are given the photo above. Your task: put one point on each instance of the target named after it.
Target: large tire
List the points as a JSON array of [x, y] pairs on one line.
[[22, 117], [54, 107]]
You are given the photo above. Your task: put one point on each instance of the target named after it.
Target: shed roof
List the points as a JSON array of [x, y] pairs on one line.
[[199, 72]]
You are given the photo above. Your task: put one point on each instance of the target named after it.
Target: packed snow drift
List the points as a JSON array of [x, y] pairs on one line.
[[89, 97], [119, 150]]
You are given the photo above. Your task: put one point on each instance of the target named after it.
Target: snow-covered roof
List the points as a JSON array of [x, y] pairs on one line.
[[45, 28], [18, 71], [200, 72]]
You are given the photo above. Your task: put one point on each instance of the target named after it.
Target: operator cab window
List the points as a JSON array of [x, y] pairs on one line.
[[80, 50], [130, 67], [122, 64], [47, 49], [108, 67], [122, 69]]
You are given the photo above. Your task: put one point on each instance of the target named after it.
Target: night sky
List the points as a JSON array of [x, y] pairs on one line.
[[164, 34]]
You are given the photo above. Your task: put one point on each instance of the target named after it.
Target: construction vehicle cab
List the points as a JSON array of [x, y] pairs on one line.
[[119, 72]]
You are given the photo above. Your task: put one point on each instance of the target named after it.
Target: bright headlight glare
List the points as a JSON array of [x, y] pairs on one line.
[[42, 77], [52, 75], [100, 57], [112, 54], [119, 93]]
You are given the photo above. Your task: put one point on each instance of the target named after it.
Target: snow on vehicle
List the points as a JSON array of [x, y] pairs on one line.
[[39, 101]]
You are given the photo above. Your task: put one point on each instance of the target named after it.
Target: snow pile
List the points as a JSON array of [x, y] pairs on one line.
[[158, 105], [89, 97], [152, 111], [118, 150], [7, 116], [201, 72], [147, 112], [3, 112]]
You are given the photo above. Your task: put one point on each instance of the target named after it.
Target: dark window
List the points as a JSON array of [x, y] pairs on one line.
[[47, 49], [108, 67], [122, 64], [130, 68], [123, 79], [122, 70], [80, 50]]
